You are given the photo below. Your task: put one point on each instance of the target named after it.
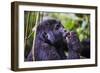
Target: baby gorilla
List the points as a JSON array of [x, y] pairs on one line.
[[52, 40]]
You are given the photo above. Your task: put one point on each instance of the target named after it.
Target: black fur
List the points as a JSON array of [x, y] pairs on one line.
[[51, 43]]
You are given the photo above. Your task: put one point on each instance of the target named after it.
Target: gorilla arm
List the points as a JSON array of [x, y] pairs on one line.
[[46, 52]]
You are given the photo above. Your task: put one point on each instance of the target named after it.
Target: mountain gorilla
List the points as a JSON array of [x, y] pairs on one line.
[[52, 41]]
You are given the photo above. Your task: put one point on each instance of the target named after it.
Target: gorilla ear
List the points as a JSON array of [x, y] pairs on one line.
[[44, 35]]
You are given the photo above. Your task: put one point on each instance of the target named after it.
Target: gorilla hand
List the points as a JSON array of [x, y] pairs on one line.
[[73, 43]]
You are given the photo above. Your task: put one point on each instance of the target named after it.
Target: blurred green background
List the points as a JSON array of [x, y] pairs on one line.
[[77, 22]]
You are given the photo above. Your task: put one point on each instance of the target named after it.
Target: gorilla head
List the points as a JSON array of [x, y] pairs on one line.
[[51, 31]]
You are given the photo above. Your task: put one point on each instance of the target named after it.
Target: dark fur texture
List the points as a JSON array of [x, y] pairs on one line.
[[51, 42]]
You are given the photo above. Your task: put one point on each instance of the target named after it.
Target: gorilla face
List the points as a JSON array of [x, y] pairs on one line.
[[54, 31]]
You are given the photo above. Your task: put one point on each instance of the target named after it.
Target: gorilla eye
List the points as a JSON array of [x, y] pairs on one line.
[[57, 27]]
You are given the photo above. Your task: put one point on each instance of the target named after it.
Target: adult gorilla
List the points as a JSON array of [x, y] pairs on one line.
[[52, 40]]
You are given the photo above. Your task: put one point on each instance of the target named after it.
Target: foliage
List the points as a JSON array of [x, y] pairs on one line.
[[75, 22]]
